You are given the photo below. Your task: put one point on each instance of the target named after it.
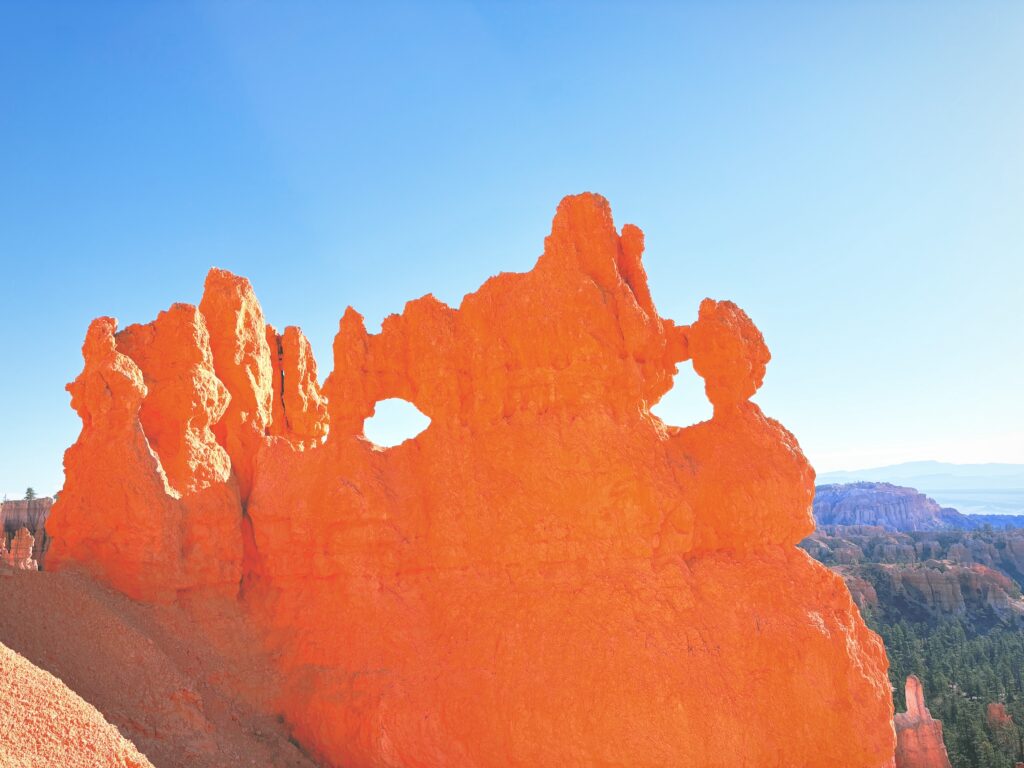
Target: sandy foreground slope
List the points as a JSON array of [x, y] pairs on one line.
[[44, 723], [181, 697]]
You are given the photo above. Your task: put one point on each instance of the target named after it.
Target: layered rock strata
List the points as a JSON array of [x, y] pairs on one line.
[[546, 576], [889, 506]]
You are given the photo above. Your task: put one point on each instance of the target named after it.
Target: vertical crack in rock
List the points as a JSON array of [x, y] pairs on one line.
[[548, 576], [279, 424], [252, 566]]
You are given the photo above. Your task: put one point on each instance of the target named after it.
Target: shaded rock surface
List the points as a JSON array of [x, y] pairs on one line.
[[30, 514], [546, 576]]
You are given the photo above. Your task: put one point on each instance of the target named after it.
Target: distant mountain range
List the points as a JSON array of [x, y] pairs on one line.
[[973, 489]]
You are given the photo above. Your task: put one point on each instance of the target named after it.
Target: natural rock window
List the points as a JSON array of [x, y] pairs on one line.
[[394, 421], [685, 404]]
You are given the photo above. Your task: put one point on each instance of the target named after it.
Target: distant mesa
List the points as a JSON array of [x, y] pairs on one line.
[[895, 508], [973, 489], [892, 507], [938, 565]]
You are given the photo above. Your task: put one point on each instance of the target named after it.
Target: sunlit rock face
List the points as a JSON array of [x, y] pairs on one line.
[[548, 575], [919, 741]]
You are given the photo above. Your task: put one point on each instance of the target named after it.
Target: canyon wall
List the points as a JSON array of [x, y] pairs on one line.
[[546, 576], [975, 576]]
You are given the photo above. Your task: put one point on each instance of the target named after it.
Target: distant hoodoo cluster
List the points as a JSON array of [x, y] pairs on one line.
[[22, 525], [548, 575]]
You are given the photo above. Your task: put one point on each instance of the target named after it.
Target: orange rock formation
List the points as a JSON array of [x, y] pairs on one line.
[[997, 716], [919, 741], [546, 576]]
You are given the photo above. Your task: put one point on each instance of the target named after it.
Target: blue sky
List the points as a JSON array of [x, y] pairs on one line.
[[852, 174]]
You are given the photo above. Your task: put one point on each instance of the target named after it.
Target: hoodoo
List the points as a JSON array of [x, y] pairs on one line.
[[548, 575], [919, 741]]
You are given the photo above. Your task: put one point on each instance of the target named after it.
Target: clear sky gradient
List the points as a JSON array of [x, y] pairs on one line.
[[852, 174]]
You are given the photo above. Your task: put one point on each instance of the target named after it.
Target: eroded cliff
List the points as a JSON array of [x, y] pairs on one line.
[[928, 576], [547, 576], [892, 507]]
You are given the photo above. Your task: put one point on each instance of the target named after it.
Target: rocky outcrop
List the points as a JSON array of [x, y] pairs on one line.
[[18, 553], [923, 576], [919, 741], [547, 576], [148, 530], [30, 514], [242, 360], [862, 591], [997, 716], [1001, 550], [1004, 730], [885, 505], [299, 408]]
